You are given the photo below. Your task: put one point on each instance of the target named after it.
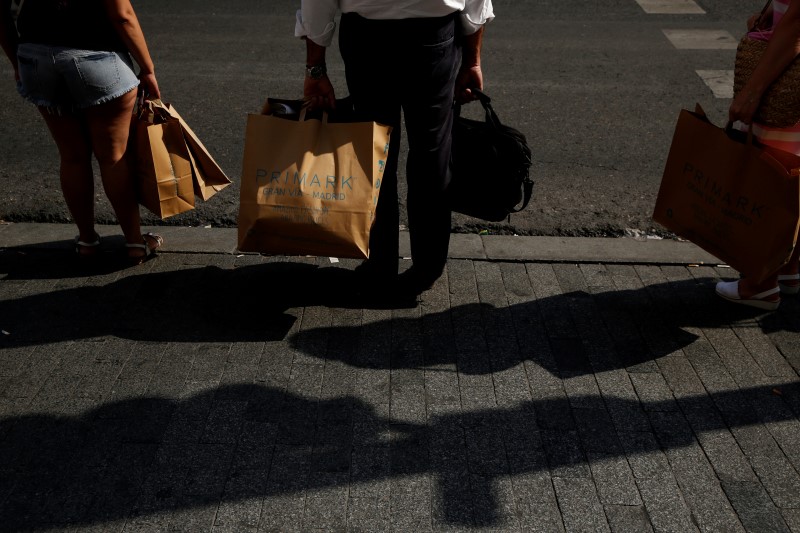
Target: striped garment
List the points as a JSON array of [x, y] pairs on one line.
[[786, 139]]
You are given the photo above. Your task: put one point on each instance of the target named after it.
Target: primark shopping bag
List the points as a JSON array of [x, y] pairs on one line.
[[310, 183], [737, 200]]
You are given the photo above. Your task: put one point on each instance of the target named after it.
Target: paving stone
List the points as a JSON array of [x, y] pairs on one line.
[[614, 480], [665, 505], [754, 507], [540, 517], [417, 503], [628, 519], [565, 455], [779, 479], [701, 490], [597, 431], [644, 455], [580, 507], [792, 518], [368, 513], [326, 502], [680, 376]]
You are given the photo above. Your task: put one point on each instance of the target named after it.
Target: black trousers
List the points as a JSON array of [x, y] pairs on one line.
[[408, 65]]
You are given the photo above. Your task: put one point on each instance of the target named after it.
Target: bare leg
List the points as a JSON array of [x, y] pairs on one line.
[[77, 179], [109, 126]]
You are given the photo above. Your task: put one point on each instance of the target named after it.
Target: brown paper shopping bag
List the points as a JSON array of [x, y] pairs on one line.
[[161, 163], [209, 178], [738, 201], [310, 185]]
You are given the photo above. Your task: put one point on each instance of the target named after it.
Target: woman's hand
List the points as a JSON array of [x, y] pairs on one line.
[[150, 86], [744, 106]]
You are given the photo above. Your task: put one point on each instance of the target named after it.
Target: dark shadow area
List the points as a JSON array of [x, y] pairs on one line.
[[58, 260], [152, 455], [206, 303], [568, 334], [576, 332]]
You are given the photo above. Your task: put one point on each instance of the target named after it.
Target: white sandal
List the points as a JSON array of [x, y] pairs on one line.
[[729, 290], [85, 249], [149, 251]]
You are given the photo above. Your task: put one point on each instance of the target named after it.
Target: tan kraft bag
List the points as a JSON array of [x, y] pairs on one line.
[[310, 185], [171, 163], [738, 201], [162, 163]]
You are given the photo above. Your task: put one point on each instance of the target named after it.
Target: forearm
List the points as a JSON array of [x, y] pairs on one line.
[[471, 49], [315, 54], [469, 75], [126, 24], [783, 48]]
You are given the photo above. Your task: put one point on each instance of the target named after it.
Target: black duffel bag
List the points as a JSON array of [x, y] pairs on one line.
[[490, 166]]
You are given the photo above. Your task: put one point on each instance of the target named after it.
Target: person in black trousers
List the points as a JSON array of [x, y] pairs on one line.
[[415, 59]]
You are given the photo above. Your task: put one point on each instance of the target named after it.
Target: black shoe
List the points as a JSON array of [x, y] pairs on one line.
[[417, 280]]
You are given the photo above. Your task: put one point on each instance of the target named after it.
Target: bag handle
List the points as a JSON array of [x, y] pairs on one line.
[[757, 23], [302, 116], [491, 117], [486, 102]]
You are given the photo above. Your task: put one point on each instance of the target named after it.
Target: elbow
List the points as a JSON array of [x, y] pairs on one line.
[[123, 18]]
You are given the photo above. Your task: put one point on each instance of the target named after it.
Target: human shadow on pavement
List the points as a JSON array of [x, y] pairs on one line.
[[576, 332], [568, 334], [194, 303], [152, 456]]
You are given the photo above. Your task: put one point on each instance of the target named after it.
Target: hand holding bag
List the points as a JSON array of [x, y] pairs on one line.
[[310, 182], [738, 201], [490, 166]]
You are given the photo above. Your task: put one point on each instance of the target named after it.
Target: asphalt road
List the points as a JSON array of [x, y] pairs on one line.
[[594, 84]]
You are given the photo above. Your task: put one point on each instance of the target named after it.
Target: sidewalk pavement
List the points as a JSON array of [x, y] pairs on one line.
[[543, 384]]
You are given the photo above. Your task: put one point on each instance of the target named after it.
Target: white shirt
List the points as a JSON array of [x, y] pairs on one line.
[[315, 18]]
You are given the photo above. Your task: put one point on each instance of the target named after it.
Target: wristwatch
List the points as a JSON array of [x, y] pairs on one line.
[[316, 72]]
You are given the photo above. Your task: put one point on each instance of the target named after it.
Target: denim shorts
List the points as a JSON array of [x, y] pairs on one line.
[[65, 79]]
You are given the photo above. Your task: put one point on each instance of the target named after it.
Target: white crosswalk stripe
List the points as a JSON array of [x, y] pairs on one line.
[[701, 39], [719, 81], [670, 7]]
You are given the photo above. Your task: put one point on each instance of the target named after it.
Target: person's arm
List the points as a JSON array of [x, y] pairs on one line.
[[318, 92], [8, 35], [126, 24], [783, 48], [470, 75], [474, 17], [315, 25]]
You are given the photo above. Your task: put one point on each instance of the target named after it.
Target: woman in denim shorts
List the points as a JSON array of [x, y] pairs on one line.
[[72, 58]]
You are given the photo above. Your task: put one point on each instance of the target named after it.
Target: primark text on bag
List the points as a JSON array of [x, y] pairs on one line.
[[310, 182], [738, 201]]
